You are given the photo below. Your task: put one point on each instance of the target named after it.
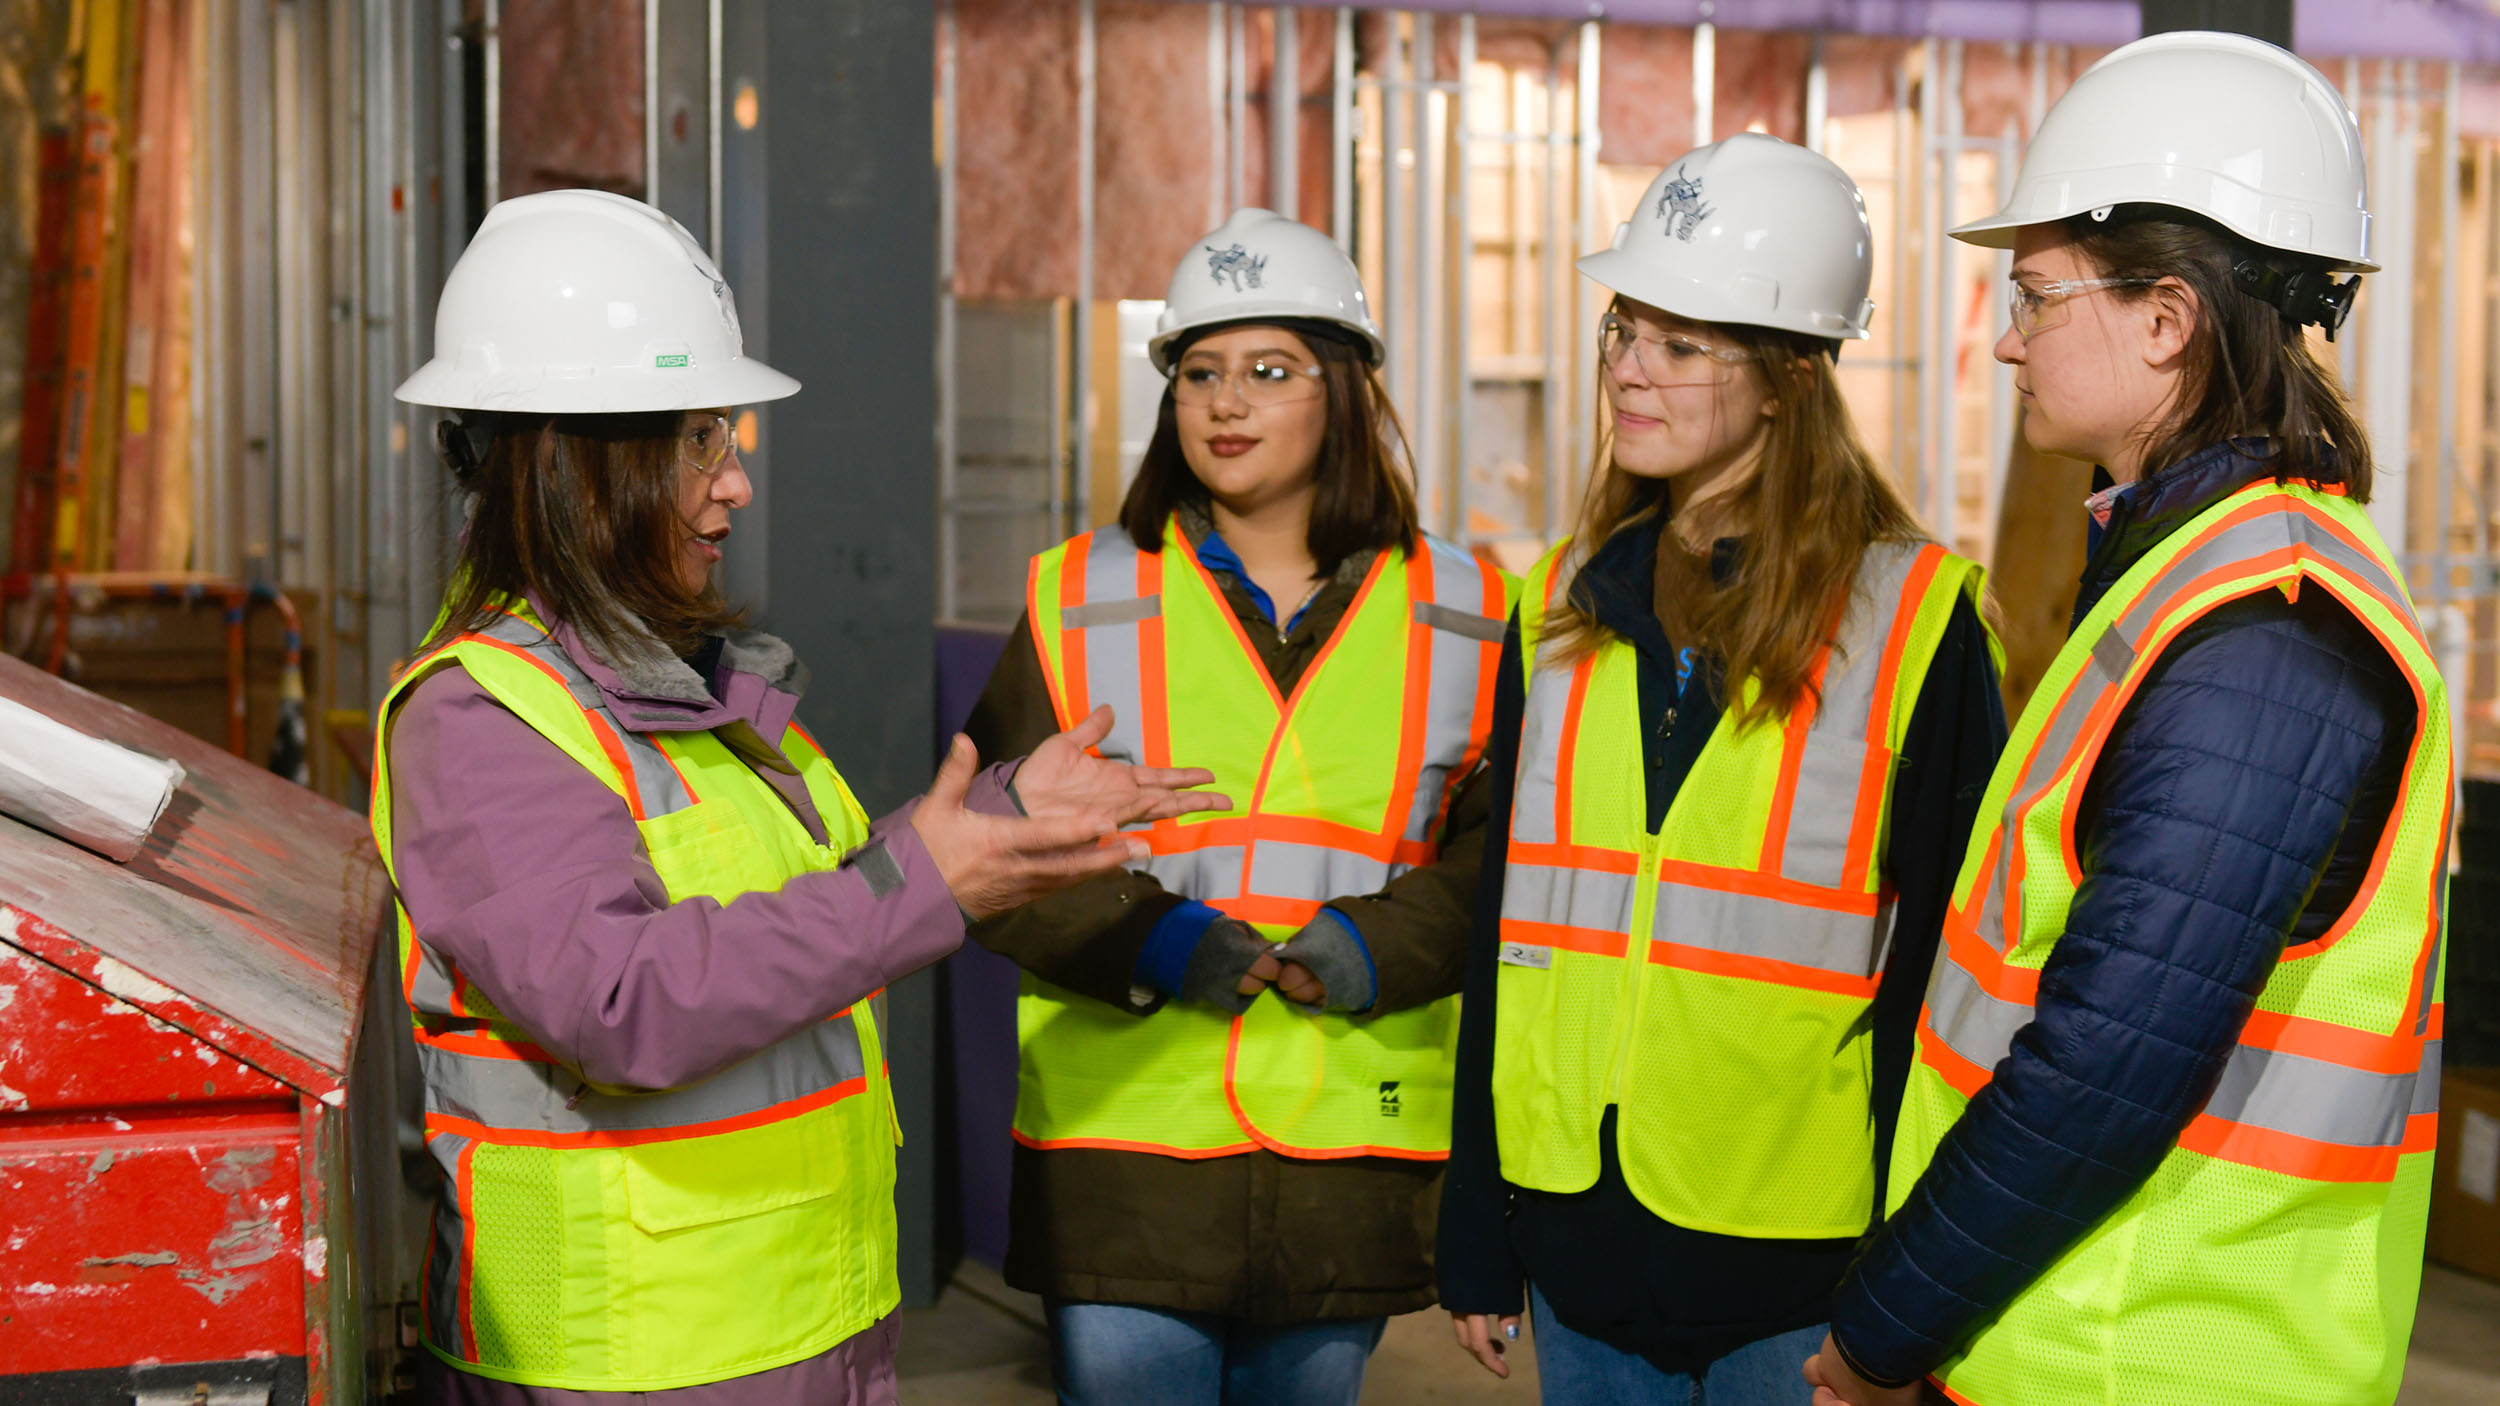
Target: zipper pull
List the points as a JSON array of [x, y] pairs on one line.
[[1666, 725]]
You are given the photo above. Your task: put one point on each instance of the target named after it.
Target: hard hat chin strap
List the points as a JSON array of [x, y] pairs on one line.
[[2305, 297]]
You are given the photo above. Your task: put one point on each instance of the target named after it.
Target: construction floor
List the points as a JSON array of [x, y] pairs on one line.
[[981, 1345]]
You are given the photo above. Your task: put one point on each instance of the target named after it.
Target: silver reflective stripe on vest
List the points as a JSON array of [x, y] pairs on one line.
[[1740, 924], [656, 780], [1207, 874], [1578, 898], [1112, 615], [1459, 633], [431, 990], [1972, 1023], [2313, 1099], [1834, 769], [2119, 647], [1281, 869], [528, 1096]]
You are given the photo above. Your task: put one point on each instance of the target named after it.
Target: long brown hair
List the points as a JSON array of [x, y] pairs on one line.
[[1362, 498], [2250, 369], [582, 512], [1814, 504]]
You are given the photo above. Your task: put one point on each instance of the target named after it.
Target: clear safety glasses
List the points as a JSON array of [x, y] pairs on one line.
[[1666, 359], [706, 442], [1266, 380], [2037, 306]]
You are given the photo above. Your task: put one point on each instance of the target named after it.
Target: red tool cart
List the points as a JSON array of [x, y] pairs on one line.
[[204, 1188]]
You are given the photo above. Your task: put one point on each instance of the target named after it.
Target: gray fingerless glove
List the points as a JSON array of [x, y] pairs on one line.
[[1217, 964], [1328, 947]]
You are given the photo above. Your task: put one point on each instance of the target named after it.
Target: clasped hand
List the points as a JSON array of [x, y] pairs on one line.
[[1074, 802]]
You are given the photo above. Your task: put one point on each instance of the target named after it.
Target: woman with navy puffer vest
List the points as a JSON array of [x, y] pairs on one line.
[[2168, 1134]]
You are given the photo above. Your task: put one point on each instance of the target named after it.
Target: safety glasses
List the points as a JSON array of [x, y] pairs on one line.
[[706, 443], [1266, 380], [1666, 359], [2039, 305]]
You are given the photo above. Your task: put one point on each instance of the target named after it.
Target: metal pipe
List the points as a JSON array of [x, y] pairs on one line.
[[1554, 274], [1341, 134], [949, 451], [1947, 297], [1818, 95], [2451, 288], [1080, 380], [1284, 113], [651, 100], [2348, 350], [1705, 80], [494, 102], [1585, 222], [1461, 262], [1902, 372], [1927, 338], [1216, 208], [1396, 313], [711, 126], [1237, 106], [1423, 278]]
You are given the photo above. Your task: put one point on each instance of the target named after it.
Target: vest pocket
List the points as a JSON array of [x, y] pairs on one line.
[[703, 1181]]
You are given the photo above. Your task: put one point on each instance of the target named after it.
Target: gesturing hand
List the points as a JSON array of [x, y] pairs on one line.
[[1484, 1337], [1062, 778], [1836, 1383], [992, 863]]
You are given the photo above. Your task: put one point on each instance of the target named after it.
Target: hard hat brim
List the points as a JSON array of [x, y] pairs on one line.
[[1159, 346], [1637, 278], [744, 381]]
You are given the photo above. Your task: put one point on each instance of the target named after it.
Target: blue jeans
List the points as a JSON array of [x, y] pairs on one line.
[[1108, 1354], [1578, 1370]]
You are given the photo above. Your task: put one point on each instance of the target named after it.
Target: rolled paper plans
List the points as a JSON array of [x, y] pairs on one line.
[[88, 791]]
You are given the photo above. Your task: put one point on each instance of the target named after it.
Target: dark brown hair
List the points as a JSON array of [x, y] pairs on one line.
[[1362, 498], [582, 512], [2250, 369], [1814, 504]]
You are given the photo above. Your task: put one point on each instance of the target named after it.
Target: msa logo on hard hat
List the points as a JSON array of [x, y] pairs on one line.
[[1237, 264], [1680, 206]]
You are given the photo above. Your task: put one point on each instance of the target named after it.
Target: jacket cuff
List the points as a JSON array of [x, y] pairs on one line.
[[1164, 960], [1878, 1347], [1335, 953]]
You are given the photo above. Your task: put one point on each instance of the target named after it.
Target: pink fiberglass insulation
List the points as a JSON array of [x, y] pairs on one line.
[[572, 96]]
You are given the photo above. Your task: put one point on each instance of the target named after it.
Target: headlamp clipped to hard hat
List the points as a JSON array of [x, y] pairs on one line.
[[2305, 297]]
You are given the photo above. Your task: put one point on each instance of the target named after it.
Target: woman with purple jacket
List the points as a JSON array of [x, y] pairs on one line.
[[641, 916]]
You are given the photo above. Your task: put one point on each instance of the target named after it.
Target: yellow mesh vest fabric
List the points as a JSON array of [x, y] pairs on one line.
[[2253, 1267], [1742, 1084]]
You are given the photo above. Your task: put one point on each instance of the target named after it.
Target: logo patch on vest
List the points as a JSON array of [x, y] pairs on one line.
[[1389, 1098], [1520, 954]]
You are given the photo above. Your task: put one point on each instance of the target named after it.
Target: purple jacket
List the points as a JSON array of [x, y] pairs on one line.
[[528, 872]]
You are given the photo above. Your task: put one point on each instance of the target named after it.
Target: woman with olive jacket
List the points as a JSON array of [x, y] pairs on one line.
[[1233, 1106]]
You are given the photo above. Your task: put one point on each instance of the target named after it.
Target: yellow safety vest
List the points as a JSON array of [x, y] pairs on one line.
[[628, 1240], [1339, 789], [2276, 1253], [1710, 979]]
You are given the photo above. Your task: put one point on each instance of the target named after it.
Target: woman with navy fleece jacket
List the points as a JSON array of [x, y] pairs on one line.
[[2167, 1138]]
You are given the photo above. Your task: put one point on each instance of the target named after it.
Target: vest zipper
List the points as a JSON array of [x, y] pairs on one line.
[[1635, 960]]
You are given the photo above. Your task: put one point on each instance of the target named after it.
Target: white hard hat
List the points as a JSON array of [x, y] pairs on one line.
[[1259, 266], [1750, 230], [2220, 125], [578, 302]]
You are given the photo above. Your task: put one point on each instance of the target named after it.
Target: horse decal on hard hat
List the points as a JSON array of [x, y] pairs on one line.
[[1244, 270], [1680, 206]]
